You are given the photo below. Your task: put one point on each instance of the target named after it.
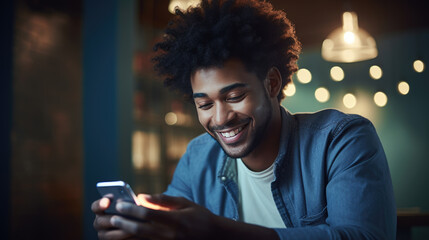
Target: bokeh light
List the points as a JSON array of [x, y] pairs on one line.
[[380, 99], [349, 100], [322, 94], [171, 118], [418, 66], [290, 90], [375, 72], [337, 73], [304, 75], [403, 88]]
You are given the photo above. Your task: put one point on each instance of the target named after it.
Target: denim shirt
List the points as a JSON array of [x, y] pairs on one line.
[[332, 179]]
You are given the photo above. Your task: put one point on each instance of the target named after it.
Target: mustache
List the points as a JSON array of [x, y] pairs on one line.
[[229, 125]]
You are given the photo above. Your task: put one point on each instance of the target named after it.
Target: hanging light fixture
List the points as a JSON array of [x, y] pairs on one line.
[[181, 4], [349, 43]]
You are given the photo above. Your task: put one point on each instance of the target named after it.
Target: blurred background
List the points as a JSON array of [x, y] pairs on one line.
[[80, 103]]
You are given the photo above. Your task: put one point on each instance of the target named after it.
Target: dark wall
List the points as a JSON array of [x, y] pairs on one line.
[[46, 136], [6, 56]]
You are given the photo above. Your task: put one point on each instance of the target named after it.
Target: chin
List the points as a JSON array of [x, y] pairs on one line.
[[236, 153]]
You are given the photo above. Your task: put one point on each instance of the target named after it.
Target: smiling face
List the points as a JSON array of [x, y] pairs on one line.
[[234, 107]]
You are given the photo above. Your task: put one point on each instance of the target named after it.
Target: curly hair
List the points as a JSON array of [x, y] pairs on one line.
[[218, 30]]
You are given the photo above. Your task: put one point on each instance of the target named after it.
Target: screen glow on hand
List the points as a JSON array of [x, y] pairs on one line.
[[143, 202]]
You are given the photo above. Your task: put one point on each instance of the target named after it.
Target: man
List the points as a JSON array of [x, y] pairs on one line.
[[260, 172]]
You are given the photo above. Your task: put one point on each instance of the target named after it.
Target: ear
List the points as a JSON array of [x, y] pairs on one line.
[[273, 82]]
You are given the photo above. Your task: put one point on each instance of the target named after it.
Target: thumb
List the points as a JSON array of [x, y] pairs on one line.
[[163, 202]]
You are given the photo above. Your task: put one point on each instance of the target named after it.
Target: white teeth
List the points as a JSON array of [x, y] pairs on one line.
[[232, 133]]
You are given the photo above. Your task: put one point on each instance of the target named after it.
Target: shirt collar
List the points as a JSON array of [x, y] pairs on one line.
[[286, 132]]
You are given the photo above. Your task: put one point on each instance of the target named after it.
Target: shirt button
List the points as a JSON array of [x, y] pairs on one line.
[[223, 178]]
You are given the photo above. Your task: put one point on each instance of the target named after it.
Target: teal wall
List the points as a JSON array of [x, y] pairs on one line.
[[108, 48], [402, 124]]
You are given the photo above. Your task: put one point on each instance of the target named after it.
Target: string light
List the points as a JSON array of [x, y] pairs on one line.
[[403, 88], [290, 90], [349, 100], [418, 66], [337, 73], [375, 72], [304, 75], [321, 94], [380, 99]]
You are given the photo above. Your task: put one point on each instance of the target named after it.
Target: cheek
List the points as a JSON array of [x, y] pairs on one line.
[[253, 106], [202, 118]]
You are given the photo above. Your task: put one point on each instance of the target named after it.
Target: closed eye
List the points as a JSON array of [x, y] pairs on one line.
[[236, 99], [205, 106]]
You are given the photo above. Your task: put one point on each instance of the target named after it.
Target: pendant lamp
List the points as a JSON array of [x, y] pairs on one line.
[[181, 4], [349, 43]]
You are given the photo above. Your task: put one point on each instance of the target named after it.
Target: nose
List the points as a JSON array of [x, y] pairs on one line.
[[223, 114]]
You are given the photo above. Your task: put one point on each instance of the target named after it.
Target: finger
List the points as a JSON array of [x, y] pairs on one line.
[[114, 234], [100, 205], [102, 222], [168, 201], [132, 210], [142, 229], [146, 214]]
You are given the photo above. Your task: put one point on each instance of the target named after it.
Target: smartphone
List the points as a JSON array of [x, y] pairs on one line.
[[116, 191]]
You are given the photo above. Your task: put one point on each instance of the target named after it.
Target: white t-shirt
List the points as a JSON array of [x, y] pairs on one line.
[[257, 202]]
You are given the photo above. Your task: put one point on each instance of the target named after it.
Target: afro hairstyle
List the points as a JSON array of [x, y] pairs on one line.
[[218, 30]]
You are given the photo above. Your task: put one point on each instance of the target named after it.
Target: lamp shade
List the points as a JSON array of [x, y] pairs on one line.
[[182, 4], [349, 43]]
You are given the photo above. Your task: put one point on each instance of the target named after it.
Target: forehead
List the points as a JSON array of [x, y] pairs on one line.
[[214, 78]]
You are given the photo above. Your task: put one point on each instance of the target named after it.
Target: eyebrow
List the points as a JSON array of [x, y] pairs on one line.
[[223, 90]]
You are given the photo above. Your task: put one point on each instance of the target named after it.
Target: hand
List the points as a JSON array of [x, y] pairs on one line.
[[184, 220], [102, 222]]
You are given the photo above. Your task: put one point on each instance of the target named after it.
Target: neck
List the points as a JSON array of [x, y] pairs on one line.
[[266, 153]]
